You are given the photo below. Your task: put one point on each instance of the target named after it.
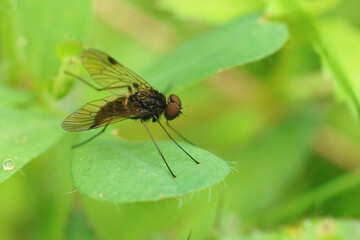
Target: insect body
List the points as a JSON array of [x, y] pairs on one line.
[[133, 98], [147, 103]]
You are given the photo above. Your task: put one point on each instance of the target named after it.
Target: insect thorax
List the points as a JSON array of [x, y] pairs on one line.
[[151, 102]]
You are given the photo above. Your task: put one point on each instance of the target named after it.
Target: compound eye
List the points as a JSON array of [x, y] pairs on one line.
[[173, 98], [172, 110]]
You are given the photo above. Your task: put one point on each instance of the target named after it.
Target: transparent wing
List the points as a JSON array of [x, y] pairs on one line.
[[111, 74], [100, 113]]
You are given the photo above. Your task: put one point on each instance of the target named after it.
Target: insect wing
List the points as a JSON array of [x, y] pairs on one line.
[[99, 113], [111, 74]]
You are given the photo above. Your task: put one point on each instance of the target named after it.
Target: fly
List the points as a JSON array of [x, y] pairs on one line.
[[133, 98]]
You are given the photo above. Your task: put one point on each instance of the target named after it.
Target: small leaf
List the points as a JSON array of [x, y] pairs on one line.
[[114, 170], [24, 134], [68, 53], [239, 42]]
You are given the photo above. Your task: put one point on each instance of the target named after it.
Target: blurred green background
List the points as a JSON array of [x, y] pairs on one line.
[[287, 124]]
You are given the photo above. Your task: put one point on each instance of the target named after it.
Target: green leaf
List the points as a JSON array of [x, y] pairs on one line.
[[24, 135], [113, 170], [336, 43], [35, 28], [342, 60], [239, 42], [68, 52], [215, 11]]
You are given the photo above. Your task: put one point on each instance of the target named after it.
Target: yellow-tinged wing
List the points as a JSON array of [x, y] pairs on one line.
[[100, 113], [111, 74]]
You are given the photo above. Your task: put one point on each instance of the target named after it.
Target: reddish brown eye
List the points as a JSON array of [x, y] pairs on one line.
[[175, 99], [172, 110]]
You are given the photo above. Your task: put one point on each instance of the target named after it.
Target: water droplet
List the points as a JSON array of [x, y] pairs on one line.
[[8, 164]]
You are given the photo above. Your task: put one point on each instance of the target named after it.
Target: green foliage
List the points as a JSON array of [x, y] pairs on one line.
[[194, 68], [257, 90], [68, 53], [239, 42], [29, 38], [338, 53], [78, 226], [24, 136], [144, 181], [333, 188], [134, 171], [342, 60], [263, 157]]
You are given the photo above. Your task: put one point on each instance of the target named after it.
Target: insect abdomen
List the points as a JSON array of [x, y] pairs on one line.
[[109, 111]]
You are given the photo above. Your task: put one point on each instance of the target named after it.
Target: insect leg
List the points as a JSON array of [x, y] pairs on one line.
[[188, 238], [96, 88], [126, 102], [158, 148], [88, 140], [175, 141], [184, 138]]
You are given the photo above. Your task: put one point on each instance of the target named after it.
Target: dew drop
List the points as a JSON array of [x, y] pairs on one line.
[[8, 164]]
